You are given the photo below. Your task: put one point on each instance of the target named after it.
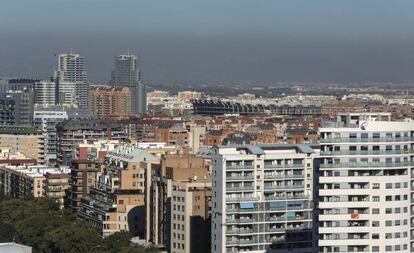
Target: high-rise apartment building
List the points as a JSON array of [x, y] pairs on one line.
[[71, 68], [365, 184], [262, 198], [17, 101], [45, 93], [126, 73], [107, 101]]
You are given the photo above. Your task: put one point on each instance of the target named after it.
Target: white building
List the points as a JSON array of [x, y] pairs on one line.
[[46, 120], [262, 198], [71, 68], [45, 93], [365, 184]]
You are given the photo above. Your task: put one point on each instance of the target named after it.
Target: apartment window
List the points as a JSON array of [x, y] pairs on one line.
[[352, 148], [364, 135], [388, 210], [375, 236], [388, 223], [388, 248], [397, 222], [388, 185], [397, 185], [388, 147], [375, 248], [397, 210], [375, 223], [375, 211], [397, 235], [388, 198], [388, 236], [375, 186], [397, 197], [397, 248], [376, 198]]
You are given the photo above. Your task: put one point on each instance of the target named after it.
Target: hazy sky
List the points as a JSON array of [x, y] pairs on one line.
[[214, 40]]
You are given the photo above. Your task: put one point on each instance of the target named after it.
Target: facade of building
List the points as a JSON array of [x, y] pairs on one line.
[[56, 185], [365, 184], [190, 216], [25, 139], [107, 101], [82, 178], [116, 201], [30, 181], [17, 101], [172, 168], [45, 92], [71, 68], [73, 132], [127, 73], [263, 198], [46, 120]]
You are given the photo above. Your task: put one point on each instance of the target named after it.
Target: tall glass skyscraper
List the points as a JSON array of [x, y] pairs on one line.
[[127, 73]]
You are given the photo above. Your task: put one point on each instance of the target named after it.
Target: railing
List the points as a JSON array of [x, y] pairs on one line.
[[370, 139], [367, 152], [366, 165]]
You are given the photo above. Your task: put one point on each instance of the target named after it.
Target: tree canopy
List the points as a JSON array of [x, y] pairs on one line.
[[40, 223]]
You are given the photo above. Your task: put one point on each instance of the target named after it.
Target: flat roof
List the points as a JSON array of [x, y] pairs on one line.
[[260, 149]]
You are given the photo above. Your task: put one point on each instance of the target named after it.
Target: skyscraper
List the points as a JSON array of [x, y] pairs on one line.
[[71, 69], [126, 73], [365, 184], [262, 198]]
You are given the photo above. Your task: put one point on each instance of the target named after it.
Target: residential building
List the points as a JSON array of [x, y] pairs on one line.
[[27, 181], [46, 119], [174, 135], [9, 157], [263, 198], [25, 139], [17, 101], [189, 95], [190, 216], [105, 101], [56, 184], [82, 178], [127, 73], [45, 92], [76, 131], [172, 168], [116, 200], [365, 184], [71, 68]]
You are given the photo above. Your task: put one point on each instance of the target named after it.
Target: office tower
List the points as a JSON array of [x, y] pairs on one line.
[[17, 101], [105, 101], [45, 93], [71, 69], [127, 73], [262, 198], [365, 184]]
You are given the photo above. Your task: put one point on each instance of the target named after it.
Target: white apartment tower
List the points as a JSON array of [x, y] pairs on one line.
[[365, 184], [71, 68], [262, 198]]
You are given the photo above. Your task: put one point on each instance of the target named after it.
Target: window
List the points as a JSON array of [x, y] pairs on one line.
[[388, 223], [388, 210], [375, 248], [388, 185], [388, 236], [375, 236], [375, 186], [376, 198], [375, 211], [388, 198], [388, 248], [375, 223]]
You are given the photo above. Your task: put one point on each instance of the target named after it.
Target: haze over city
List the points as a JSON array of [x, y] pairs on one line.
[[215, 40]]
